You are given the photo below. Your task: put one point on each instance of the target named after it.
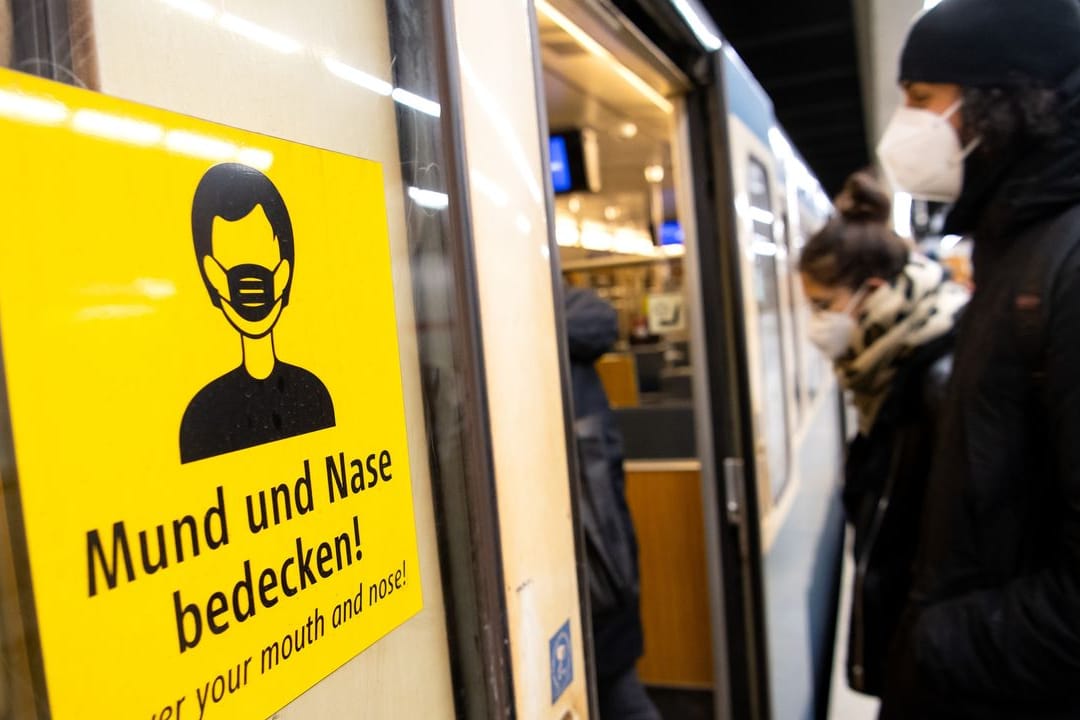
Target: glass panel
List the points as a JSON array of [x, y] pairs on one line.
[[767, 294]]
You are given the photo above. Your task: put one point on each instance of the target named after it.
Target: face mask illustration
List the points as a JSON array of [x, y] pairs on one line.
[[251, 290]]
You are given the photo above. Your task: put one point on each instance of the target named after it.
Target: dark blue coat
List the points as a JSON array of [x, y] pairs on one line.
[[611, 547]]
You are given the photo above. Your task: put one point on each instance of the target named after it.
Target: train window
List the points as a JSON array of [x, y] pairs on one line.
[[767, 294], [623, 239]]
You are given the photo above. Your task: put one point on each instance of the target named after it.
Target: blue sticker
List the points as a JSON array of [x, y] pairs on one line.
[[562, 662]]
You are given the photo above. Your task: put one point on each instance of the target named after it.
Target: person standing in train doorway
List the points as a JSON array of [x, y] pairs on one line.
[[610, 544], [886, 317], [991, 123]]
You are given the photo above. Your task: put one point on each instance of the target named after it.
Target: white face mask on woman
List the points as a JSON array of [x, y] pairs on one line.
[[831, 332], [921, 154]]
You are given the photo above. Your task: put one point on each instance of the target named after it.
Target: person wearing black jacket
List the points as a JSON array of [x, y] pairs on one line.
[[610, 544], [992, 123], [885, 317]]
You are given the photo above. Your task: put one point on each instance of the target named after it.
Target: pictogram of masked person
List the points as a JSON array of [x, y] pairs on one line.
[[245, 250]]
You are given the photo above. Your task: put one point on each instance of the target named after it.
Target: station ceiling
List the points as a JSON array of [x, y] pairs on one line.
[[805, 56]]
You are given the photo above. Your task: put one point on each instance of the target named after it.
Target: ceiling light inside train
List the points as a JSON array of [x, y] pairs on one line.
[[611, 212], [654, 174], [585, 40], [697, 19], [628, 130], [575, 205]]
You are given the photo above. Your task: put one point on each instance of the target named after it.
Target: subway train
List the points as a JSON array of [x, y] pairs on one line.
[[434, 175]]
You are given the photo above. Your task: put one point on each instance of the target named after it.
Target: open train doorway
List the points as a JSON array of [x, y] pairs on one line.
[[620, 222]]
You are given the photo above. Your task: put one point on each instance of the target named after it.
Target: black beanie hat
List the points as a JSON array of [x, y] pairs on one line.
[[994, 43]]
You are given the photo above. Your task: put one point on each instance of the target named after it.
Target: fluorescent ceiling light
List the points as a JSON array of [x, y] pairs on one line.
[[115, 127], [429, 198], [416, 102], [32, 109], [195, 8], [700, 27], [190, 143], [927, 4], [357, 77], [259, 34], [585, 40]]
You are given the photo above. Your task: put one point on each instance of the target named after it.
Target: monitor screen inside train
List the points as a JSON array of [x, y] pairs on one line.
[[560, 165], [575, 161]]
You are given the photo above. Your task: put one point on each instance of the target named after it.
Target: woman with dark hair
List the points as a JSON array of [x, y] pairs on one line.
[[991, 122], [885, 317]]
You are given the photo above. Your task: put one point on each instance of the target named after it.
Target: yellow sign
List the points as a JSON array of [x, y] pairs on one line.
[[201, 362]]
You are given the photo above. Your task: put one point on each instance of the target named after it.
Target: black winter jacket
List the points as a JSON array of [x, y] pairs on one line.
[[611, 547], [885, 477], [993, 630]]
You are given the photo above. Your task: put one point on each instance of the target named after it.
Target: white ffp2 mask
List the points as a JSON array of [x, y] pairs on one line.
[[831, 332], [921, 154]]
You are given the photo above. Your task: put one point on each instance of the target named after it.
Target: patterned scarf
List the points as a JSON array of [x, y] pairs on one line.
[[918, 306]]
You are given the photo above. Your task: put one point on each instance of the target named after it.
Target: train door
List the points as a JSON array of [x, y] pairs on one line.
[[623, 224], [635, 223]]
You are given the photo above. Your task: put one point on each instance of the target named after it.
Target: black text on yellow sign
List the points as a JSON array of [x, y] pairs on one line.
[[204, 318]]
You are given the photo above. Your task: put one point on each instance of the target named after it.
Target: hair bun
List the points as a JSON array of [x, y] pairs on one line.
[[863, 200]]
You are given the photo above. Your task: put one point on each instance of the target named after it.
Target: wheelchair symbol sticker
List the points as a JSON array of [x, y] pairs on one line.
[[562, 662]]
